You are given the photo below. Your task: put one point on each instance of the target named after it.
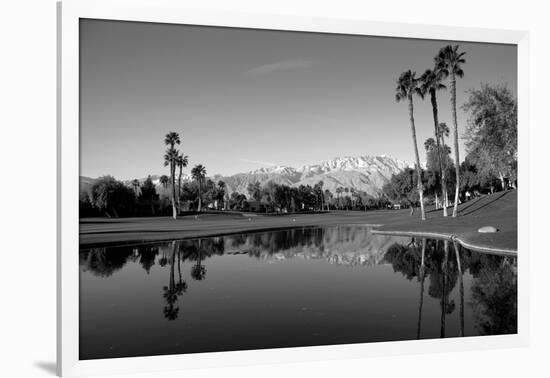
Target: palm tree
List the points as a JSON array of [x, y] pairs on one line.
[[429, 144], [221, 190], [199, 173], [327, 195], [164, 181], [431, 82], [339, 191], [170, 158], [171, 139], [449, 61], [407, 87], [135, 185], [181, 162], [443, 132]]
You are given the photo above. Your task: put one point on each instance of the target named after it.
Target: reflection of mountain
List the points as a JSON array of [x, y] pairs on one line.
[[432, 263], [346, 245]]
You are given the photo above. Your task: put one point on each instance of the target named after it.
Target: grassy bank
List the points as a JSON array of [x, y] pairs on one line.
[[499, 210]]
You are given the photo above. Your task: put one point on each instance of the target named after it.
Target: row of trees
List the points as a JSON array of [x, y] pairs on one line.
[[491, 162], [447, 65], [284, 198], [491, 134]]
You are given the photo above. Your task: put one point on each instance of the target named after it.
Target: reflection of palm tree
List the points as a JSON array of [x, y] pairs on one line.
[[461, 287], [422, 278], [173, 290], [198, 272], [443, 301]]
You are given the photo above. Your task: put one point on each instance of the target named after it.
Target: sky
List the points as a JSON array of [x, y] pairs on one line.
[[242, 99]]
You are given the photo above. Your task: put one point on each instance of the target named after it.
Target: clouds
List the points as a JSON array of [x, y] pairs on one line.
[[283, 65], [259, 162]]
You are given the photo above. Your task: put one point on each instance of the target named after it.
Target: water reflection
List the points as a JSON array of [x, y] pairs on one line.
[[457, 292], [493, 288]]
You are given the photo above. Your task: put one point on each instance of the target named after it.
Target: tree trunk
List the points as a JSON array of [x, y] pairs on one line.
[[502, 181], [457, 157], [438, 144], [173, 176], [418, 168], [200, 201], [179, 190]]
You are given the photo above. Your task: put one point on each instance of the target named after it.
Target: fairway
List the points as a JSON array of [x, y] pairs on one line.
[[498, 210]]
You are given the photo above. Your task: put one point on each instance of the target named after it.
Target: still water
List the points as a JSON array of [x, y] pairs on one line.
[[298, 287]]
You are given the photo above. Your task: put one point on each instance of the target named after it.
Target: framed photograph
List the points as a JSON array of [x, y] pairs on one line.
[[240, 189]]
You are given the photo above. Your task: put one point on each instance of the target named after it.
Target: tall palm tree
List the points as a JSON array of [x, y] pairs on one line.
[[135, 185], [339, 191], [443, 132], [407, 87], [199, 173], [449, 61], [171, 139], [181, 162], [431, 82], [170, 158], [221, 189], [164, 181]]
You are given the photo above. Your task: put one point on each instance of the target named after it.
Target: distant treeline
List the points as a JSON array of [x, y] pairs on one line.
[[110, 197]]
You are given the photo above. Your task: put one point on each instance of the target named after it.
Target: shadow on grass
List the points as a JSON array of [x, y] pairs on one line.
[[496, 198]]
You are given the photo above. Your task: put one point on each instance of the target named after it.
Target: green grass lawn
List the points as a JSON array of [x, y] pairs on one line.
[[499, 210]]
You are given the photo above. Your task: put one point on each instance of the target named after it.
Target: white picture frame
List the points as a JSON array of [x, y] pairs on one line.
[[69, 13]]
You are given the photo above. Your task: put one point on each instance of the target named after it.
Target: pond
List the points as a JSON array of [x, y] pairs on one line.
[[289, 288]]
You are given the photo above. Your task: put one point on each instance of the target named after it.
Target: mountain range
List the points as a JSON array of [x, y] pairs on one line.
[[363, 173]]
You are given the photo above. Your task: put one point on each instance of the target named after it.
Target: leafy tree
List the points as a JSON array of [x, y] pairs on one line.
[[111, 196], [255, 190], [449, 61], [407, 87], [401, 187], [491, 135], [148, 193], [237, 201]]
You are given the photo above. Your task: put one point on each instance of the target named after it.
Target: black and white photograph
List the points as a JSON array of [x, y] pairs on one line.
[[244, 189]]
